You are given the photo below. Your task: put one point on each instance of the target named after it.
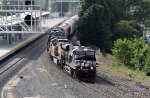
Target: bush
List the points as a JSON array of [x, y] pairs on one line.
[[147, 64], [122, 51], [131, 53], [139, 51]]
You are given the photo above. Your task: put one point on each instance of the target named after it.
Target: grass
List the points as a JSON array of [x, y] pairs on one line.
[[136, 75]]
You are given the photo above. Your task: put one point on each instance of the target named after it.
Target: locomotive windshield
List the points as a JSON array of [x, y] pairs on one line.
[[87, 58], [91, 53], [63, 40], [85, 55]]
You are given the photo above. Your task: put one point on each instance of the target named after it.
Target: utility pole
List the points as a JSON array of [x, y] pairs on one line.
[[47, 5], [61, 9]]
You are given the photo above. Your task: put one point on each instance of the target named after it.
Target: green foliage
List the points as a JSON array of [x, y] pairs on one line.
[[137, 10], [127, 29], [57, 6], [147, 65], [139, 51], [122, 51], [147, 23], [43, 4], [85, 4], [118, 16], [131, 53], [93, 28]]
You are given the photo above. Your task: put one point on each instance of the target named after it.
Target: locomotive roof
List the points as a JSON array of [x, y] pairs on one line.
[[63, 25], [82, 48], [69, 22]]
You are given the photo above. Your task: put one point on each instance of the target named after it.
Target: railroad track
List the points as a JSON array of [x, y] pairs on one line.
[[21, 54], [122, 89], [21, 58], [99, 85], [113, 88], [138, 93], [103, 90]]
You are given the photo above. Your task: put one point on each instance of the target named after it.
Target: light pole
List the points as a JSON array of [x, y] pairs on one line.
[[61, 8], [50, 7]]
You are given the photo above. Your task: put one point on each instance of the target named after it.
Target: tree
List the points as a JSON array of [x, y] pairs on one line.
[[122, 19], [57, 6], [93, 28], [135, 9], [43, 4], [147, 65], [127, 29], [147, 23], [138, 10]]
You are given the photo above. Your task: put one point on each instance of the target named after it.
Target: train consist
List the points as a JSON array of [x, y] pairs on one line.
[[68, 27], [79, 61]]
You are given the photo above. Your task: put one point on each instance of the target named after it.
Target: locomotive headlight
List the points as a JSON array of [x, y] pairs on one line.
[[85, 49], [81, 67], [92, 68]]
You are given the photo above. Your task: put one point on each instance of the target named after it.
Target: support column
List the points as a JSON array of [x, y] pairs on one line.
[[5, 36], [15, 39], [19, 36], [9, 39]]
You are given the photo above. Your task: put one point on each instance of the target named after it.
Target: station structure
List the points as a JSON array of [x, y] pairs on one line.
[[18, 17]]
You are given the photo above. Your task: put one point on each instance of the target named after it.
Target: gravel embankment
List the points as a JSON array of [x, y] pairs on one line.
[[127, 85]]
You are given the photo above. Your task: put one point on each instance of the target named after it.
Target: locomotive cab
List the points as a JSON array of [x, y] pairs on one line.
[[83, 61]]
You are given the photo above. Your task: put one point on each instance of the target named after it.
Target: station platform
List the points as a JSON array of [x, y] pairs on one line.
[[7, 49]]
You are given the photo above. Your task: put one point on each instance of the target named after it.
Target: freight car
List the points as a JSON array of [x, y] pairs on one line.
[[68, 27]]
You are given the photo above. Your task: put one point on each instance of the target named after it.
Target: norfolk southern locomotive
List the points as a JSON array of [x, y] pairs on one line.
[[79, 61]]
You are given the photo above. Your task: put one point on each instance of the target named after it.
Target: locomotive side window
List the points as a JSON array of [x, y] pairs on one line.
[[54, 44]]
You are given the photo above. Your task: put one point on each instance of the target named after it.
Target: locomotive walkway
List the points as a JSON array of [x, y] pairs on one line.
[[6, 50]]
